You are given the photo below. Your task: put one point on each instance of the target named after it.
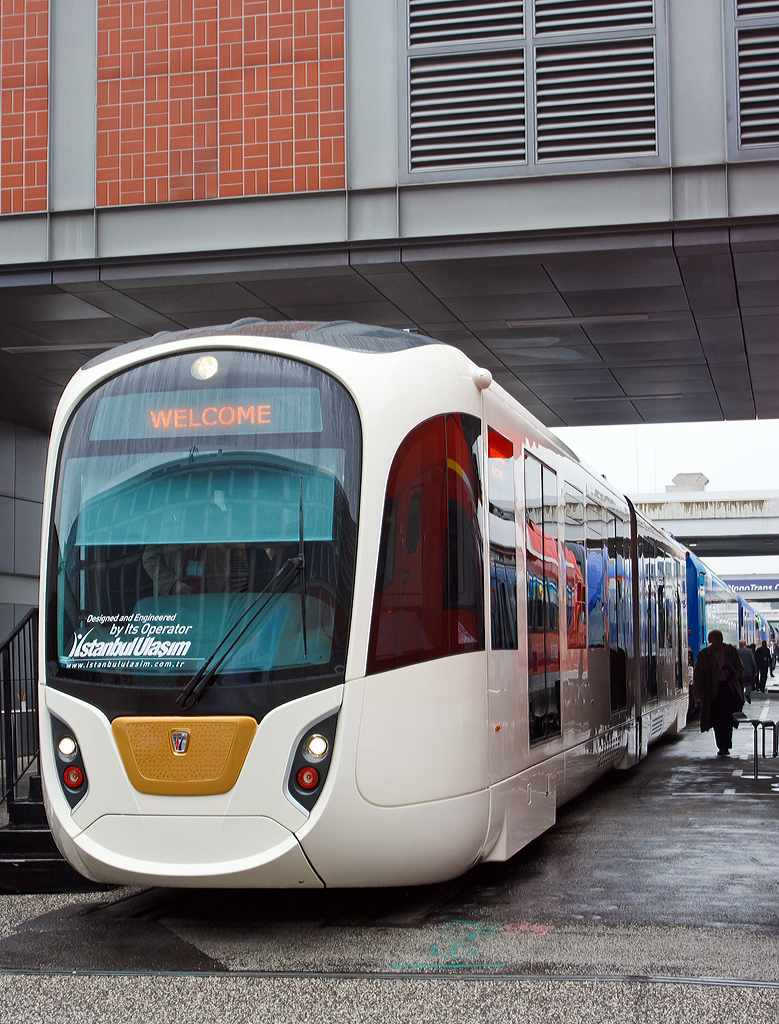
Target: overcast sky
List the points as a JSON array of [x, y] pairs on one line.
[[740, 455]]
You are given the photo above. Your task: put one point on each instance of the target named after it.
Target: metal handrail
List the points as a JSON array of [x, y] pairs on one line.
[[19, 739]]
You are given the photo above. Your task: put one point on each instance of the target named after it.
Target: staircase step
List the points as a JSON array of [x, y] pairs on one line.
[[16, 840], [27, 812]]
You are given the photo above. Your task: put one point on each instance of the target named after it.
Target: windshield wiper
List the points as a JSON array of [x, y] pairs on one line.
[[200, 681], [204, 676]]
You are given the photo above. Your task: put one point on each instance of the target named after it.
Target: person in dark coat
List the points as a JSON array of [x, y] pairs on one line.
[[716, 682], [763, 659], [749, 666]]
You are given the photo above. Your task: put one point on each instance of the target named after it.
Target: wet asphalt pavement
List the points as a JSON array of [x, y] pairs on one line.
[[653, 898]]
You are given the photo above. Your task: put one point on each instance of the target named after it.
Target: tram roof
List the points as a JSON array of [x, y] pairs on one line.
[[343, 334]]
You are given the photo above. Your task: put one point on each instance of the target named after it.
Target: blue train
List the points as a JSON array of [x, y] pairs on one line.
[[712, 604]]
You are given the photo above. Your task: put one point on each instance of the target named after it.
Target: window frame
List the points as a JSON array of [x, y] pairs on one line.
[[529, 42], [732, 26], [548, 629]]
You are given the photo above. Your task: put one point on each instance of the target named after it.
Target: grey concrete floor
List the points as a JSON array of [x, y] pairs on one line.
[[651, 883]]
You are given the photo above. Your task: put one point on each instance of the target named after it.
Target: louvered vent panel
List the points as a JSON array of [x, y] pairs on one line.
[[596, 100], [463, 21], [603, 15], [756, 8], [758, 87], [467, 110]]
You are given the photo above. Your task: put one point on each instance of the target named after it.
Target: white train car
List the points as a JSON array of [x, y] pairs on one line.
[[323, 605]]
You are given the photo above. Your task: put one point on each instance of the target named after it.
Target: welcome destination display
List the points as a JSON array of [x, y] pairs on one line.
[[222, 411]]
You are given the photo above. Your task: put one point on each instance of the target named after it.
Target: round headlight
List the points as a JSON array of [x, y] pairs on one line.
[[204, 368], [317, 746], [67, 746]]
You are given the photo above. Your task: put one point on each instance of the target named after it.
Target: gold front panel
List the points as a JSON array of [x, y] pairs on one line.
[[215, 750]]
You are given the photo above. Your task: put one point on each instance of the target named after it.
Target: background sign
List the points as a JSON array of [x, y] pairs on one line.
[[750, 586]]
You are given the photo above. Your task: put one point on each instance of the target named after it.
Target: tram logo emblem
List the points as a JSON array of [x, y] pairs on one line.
[[179, 741]]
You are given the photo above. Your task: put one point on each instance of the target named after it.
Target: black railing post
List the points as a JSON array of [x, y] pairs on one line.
[[8, 729]]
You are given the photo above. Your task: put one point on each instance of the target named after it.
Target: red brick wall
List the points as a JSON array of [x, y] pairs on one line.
[[24, 104], [204, 99]]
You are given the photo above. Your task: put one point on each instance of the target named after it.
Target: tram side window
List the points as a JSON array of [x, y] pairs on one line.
[[429, 596], [575, 569], [652, 608], [616, 589], [503, 549], [543, 582], [679, 634], [661, 617], [596, 578]]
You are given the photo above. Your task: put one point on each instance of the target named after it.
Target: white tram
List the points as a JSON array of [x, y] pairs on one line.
[[323, 605]]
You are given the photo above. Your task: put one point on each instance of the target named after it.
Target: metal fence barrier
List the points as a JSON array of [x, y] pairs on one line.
[[19, 739]]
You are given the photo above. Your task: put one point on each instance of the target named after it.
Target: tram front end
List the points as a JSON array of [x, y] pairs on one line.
[[196, 602]]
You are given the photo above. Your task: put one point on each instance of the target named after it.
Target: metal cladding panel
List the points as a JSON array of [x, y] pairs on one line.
[[536, 203], [73, 48], [696, 96], [752, 190], [27, 537], [699, 193], [7, 531], [758, 86], [462, 21], [241, 224], [23, 240], [371, 89], [467, 109], [596, 99], [603, 16]]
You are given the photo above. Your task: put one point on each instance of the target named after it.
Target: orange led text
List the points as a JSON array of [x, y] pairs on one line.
[[211, 416]]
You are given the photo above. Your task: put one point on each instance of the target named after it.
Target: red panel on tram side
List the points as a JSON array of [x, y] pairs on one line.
[[499, 446]]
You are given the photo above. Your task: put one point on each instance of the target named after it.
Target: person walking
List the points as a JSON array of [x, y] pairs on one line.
[[763, 659], [749, 666], [716, 682]]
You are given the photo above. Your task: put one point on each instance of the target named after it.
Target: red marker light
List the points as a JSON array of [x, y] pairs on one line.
[[73, 777], [308, 778]]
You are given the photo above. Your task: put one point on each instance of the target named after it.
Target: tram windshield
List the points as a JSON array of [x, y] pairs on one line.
[[179, 499]]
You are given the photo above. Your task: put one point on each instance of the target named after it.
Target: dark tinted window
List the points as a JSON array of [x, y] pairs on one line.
[[619, 604], [503, 551], [596, 578], [543, 584], [575, 569], [429, 598]]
